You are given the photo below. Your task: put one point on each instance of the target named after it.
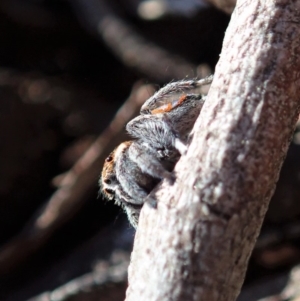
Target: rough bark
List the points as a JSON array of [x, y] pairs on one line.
[[196, 244]]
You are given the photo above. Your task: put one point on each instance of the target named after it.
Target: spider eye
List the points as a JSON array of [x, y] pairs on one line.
[[109, 180], [109, 158], [145, 112]]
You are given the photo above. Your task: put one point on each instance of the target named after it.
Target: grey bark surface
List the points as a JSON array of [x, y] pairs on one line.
[[196, 244]]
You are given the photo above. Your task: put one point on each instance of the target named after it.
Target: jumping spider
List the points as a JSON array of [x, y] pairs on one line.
[[160, 135]]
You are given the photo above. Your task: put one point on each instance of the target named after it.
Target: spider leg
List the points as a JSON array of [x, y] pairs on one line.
[[133, 215], [129, 206], [153, 131], [133, 181], [130, 186], [169, 125], [146, 158], [181, 147], [170, 89]]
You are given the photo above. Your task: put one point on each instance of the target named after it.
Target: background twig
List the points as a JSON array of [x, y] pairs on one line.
[[74, 188]]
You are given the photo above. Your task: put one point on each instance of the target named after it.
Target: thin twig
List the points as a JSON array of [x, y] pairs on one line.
[[225, 5], [106, 276], [129, 46], [76, 186]]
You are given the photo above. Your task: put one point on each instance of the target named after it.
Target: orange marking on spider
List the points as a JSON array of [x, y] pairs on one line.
[[180, 100], [165, 108], [169, 106]]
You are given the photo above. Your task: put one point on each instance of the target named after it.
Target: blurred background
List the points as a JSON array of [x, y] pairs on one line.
[[72, 73]]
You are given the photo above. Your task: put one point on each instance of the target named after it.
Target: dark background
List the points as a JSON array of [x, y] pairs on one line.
[[64, 72]]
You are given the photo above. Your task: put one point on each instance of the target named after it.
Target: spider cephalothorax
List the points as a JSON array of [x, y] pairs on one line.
[[160, 136]]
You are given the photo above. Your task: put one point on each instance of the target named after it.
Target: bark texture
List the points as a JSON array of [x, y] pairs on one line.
[[196, 244]]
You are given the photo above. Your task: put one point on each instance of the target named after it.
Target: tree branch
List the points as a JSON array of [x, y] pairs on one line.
[[129, 46], [196, 244], [225, 5], [77, 183]]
